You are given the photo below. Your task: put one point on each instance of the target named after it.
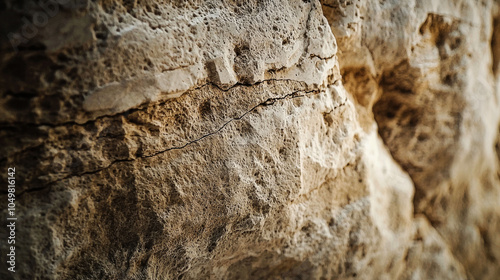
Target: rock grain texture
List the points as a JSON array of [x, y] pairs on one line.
[[252, 139]]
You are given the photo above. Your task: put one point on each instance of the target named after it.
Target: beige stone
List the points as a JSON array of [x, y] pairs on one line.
[[254, 140]]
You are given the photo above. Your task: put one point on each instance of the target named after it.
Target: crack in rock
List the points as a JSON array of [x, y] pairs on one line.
[[144, 105], [267, 102]]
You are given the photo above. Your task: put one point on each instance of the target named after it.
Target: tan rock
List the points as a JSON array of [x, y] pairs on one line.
[[253, 139]]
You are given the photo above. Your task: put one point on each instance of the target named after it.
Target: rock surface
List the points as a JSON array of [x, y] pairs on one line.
[[252, 139]]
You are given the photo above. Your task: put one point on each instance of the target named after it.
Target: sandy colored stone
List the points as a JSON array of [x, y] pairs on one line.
[[254, 139], [434, 96]]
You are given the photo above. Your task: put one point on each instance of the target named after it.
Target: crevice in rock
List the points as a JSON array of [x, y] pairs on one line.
[[329, 6], [268, 102], [322, 58], [143, 106], [497, 145], [495, 46]]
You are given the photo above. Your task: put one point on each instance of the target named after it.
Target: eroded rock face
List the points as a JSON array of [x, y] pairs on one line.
[[253, 139], [435, 101]]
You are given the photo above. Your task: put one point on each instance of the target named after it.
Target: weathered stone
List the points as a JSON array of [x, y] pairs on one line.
[[252, 139]]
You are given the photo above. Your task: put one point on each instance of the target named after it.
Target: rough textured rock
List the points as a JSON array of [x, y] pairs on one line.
[[252, 139], [433, 89]]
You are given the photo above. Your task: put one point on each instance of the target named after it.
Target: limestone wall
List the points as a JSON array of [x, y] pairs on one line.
[[251, 139]]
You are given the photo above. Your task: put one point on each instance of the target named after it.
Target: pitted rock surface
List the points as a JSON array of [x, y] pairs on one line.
[[252, 139]]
